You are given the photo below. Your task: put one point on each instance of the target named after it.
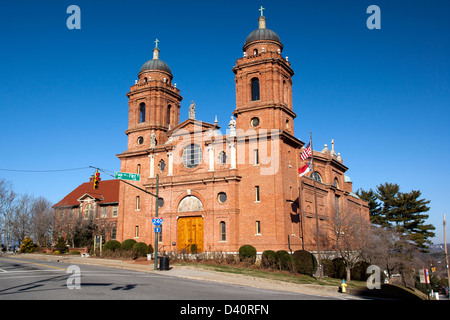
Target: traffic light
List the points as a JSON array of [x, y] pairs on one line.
[[96, 179]]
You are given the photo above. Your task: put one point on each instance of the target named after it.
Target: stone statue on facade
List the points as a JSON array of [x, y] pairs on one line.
[[192, 110]]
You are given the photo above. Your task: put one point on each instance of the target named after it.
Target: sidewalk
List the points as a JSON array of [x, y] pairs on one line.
[[196, 274]]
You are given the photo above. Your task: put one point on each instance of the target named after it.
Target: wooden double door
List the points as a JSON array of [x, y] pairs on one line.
[[190, 231]]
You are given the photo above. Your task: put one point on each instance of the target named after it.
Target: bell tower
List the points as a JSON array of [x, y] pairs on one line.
[[154, 105], [263, 83]]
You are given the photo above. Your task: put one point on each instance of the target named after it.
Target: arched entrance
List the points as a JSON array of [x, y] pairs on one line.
[[190, 228]]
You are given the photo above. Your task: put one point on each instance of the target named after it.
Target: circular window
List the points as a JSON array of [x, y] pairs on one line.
[[192, 156], [222, 197], [140, 140], [254, 122]]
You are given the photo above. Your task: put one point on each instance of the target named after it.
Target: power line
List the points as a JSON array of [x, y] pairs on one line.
[[44, 171]]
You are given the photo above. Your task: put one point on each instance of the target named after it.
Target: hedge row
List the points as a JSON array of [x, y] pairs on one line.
[[139, 249], [300, 261]]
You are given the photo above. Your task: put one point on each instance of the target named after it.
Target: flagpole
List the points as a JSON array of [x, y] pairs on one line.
[[315, 206]]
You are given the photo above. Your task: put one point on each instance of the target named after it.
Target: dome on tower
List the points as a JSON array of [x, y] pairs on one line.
[[156, 64], [262, 34]]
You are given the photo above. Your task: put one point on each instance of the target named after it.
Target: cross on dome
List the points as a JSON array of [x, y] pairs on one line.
[[262, 10]]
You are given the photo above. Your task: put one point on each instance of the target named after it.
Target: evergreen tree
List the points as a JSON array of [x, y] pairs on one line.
[[409, 218], [375, 214], [402, 212], [387, 194]]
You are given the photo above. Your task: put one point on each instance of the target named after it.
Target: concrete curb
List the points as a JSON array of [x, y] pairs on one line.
[[196, 274]]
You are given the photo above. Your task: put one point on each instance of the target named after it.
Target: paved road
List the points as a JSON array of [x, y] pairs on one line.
[[27, 279]]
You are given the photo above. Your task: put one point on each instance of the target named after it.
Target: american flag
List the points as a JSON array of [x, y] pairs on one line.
[[306, 153]]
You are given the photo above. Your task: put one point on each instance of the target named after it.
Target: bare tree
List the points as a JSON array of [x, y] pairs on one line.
[[7, 196], [348, 234], [42, 221], [393, 252], [21, 223]]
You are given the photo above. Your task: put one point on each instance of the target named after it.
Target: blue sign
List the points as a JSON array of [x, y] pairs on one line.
[[157, 221], [157, 229]]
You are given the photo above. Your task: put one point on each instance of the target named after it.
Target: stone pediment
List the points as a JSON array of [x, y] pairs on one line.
[[191, 126], [90, 196]]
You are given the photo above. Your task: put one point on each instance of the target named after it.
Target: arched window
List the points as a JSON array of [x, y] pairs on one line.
[[142, 112], [223, 231], [336, 184], [223, 157], [162, 166], [168, 114], [316, 176], [255, 89], [255, 52]]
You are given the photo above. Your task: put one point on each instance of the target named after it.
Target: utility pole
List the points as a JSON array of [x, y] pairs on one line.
[[446, 256], [156, 216]]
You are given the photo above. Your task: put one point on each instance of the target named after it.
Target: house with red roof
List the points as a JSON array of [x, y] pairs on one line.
[[86, 205]]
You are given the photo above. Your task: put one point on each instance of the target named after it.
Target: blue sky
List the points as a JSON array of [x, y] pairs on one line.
[[382, 95]]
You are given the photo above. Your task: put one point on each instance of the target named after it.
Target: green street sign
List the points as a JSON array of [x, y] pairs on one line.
[[127, 176]]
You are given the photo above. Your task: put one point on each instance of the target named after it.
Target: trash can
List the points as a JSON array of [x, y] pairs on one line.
[[164, 263]]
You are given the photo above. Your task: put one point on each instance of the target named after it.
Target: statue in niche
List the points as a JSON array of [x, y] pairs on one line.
[[153, 139]]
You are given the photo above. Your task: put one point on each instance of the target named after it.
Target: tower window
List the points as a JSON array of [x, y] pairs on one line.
[[254, 122], [142, 112], [258, 227], [256, 157], [257, 198], [222, 197], [168, 114], [223, 231], [255, 89]]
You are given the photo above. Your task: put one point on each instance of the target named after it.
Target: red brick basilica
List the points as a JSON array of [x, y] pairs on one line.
[[221, 191]]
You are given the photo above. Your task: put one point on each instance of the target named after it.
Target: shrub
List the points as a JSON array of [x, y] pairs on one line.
[[113, 245], [268, 259], [74, 252], [27, 246], [247, 252], [128, 244], [358, 272], [150, 248], [328, 267], [194, 249], [140, 249], [61, 245], [339, 268], [304, 262], [283, 260]]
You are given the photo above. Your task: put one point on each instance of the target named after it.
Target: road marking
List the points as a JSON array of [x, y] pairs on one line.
[[37, 264]]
